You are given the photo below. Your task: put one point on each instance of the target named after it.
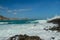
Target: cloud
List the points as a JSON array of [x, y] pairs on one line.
[[1, 7], [13, 11], [21, 10], [24, 10], [9, 11]]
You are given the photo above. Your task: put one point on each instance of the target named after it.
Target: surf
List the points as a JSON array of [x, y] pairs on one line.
[[27, 27]]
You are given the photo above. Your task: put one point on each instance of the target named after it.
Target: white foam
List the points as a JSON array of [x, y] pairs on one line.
[[7, 31], [3, 22], [41, 21], [55, 17]]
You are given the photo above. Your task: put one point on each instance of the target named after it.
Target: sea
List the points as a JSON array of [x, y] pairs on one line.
[[9, 28]]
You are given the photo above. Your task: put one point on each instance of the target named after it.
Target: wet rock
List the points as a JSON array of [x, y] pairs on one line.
[[33, 38], [53, 38], [13, 37], [46, 29], [55, 21], [24, 37]]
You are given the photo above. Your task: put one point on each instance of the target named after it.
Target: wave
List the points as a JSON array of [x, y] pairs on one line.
[[3, 22], [23, 21], [27, 27], [26, 21], [17, 21], [55, 17]]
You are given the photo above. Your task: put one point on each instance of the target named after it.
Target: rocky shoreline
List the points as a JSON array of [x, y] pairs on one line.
[[24, 37], [55, 21]]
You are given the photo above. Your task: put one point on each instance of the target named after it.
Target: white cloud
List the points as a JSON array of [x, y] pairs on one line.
[[9, 11], [19, 10], [15, 11], [24, 10], [1, 7]]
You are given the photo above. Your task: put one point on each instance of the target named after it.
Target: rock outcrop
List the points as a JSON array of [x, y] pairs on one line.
[[24, 37], [55, 21], [3, 18]]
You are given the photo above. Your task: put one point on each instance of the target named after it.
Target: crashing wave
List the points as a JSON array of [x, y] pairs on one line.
[[55, 17], [17, 21], [41, 21], [55, 20], [29, 29], [3, 22]]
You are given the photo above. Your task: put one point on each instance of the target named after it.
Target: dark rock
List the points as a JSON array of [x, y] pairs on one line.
[[33, 38], [53, 38], [46, 29], [24, 37], [55, 21]]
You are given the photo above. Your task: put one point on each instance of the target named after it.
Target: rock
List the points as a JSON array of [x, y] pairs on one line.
[[55, 21], [24, 37], [13, 37], [3, 18], [33, 38], [53, 37], [46, 29]]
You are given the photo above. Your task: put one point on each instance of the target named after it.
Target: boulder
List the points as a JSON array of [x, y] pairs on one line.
[[55, 21], [24, 37], [33, 38]]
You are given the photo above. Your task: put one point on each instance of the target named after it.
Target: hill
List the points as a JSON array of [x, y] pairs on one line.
[[3, 18]]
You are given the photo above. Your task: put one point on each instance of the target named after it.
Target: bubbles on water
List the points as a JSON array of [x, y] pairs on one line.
[[29, 29]]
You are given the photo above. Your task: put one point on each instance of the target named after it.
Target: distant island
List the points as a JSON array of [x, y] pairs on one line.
[[5, 18]]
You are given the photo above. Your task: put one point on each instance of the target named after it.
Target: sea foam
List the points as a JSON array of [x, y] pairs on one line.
[[9, 30]]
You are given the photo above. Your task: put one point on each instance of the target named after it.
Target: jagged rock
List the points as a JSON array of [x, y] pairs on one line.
[[24, 37], [33, 38], [55, 21]]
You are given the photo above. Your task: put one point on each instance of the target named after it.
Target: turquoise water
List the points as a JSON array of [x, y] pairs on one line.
[[10, 28], [17, 21]]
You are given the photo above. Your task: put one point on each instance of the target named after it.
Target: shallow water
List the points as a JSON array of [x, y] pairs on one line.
[[9, 30]]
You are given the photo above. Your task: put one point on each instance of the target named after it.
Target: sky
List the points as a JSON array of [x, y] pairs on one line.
[[35, 9]]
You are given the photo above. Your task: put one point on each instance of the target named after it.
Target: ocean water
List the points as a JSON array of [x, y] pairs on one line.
[[10, 28]]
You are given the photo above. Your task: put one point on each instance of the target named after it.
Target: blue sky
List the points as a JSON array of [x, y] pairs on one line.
[[30, 8]]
